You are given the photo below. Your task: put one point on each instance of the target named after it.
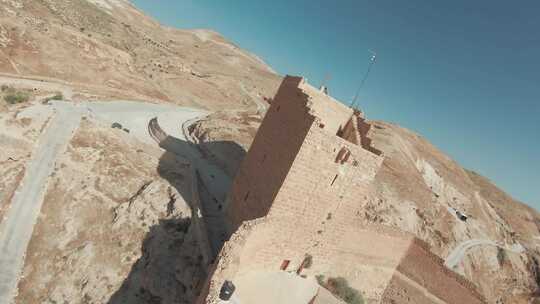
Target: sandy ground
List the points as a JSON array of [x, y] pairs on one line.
[[275, 287]]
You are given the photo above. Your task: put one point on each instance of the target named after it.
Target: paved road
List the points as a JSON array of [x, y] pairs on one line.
[[16, 229], [459, 252], [136, 115]]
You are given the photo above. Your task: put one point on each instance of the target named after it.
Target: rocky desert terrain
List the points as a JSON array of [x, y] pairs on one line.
[[116, 223]]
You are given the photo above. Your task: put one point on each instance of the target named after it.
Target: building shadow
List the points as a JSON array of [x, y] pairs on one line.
[[172, 267], [155, 277]]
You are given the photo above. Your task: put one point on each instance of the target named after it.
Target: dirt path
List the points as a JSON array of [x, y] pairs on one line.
[[68, 88], [66, 91], [16, 229], [13, 64]]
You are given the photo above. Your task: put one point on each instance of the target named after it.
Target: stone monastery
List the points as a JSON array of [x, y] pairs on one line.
[[293, 216]]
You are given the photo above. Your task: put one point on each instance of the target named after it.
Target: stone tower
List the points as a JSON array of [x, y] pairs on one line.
[[310, 158]]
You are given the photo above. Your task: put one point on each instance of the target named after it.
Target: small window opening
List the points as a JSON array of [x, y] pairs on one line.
[[334, 180], [343, 155], [321, 125], [284, 264], [277, 109], [246, 197]]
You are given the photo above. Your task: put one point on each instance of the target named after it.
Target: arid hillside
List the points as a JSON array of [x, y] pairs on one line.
[[419, 189], [117, 214], [108, 48]]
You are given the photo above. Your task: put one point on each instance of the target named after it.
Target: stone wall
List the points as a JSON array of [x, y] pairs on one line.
[[327, 183], [332, 113], [386, 265], [271, 155], [356, 254], [292, 168]]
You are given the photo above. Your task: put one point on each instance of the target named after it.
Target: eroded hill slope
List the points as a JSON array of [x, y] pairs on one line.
[[108, 48]]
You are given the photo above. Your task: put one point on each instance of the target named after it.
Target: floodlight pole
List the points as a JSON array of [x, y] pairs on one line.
[[371, 63]]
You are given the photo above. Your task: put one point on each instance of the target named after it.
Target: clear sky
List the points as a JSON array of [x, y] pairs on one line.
[[464, 74]]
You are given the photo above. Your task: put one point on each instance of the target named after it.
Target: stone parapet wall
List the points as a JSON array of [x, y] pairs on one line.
[[332, 113]]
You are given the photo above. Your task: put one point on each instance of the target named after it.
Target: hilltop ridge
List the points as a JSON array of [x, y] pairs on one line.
[[110, 49]]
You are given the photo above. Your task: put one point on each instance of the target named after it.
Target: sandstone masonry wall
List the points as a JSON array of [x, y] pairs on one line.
[[321, 190], [333, 113], [272, 152]]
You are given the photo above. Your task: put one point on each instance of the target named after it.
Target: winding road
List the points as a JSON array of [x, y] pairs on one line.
[[453, 259]]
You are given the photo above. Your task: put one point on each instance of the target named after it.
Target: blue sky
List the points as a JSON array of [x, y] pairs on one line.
[[464, 74]]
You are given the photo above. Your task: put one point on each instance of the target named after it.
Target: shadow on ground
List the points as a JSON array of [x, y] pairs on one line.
[[156, 276], [170, 269]]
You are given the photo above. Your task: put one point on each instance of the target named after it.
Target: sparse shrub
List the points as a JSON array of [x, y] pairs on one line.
[[57, 96], [340, 288], [501, 255], [4, 87], [320, 279], [16, 97], [308, 261]]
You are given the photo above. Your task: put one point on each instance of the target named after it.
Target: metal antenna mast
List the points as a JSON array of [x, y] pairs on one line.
[[371, 63], [325, 80]]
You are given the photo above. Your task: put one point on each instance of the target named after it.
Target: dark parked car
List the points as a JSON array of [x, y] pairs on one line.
[[461, 216], [227, 290]]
